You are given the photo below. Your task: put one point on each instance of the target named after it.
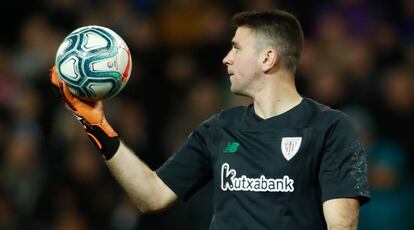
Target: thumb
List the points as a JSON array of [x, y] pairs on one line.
[[92, 112], [54, 78], [70, 100]]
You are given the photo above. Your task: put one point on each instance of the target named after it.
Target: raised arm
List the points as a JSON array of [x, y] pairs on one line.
[[341, 214], [145, 188]]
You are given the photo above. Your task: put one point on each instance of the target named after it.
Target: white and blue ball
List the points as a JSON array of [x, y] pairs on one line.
[[94, 62]]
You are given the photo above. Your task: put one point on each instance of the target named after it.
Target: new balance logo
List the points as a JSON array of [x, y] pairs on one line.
[[231, 147], [229, 182]]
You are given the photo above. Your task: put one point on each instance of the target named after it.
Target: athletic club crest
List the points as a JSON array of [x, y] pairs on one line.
[[290, 146]]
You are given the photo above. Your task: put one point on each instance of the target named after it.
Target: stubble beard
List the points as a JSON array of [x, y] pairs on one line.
[[236, 89], [245, 88]]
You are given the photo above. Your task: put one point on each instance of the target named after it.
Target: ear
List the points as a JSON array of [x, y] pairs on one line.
[[270, 59]]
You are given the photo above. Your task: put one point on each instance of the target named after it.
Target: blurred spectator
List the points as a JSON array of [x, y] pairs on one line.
[[399, 90], [200, 103], [333, 39], [406, 22], [69, 220], [260, 5], [392, 208], [359, 16], [8, 81], [388, 176], [8, 216], [181, 22], [397, 111], [131, 123], [21, 172], [328, 86], [385, 44], [38, 43], [125, 215], [409, 55]]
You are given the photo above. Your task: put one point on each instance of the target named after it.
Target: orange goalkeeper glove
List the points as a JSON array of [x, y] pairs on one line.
[[91, 116]]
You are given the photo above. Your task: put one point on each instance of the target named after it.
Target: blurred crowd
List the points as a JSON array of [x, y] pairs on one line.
[[358, 57]]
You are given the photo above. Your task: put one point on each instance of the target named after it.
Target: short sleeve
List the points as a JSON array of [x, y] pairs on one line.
[[343, 169], [190, 167]]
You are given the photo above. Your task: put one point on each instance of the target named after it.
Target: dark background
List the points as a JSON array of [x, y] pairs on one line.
[[358, 57]]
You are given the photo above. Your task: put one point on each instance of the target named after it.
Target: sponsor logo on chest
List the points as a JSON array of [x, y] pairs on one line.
[[230, 182]]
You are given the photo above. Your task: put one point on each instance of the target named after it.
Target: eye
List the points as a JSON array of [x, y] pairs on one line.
[[235, 46]]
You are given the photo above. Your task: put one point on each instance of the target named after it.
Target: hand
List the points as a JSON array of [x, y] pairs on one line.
[[89, 114]]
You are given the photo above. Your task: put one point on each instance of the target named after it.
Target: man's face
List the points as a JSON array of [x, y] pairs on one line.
[[242, 62]]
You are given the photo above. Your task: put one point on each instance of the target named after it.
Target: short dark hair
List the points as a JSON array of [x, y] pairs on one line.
[[279, 28]]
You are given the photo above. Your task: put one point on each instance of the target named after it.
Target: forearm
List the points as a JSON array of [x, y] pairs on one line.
[[344, 226], [341, 214], [144, 187]]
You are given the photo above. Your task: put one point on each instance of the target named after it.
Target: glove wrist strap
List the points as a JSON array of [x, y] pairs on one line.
[[107, 145]]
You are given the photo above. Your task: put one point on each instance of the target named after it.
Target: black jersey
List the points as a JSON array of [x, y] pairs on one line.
[[271, 173]]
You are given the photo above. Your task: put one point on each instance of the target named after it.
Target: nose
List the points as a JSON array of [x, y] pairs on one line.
[[226, 59]]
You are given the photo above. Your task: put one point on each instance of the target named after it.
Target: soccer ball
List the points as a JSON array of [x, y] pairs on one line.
[[94, 62]]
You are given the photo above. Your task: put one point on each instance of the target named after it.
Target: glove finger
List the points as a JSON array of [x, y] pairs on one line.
[[67, 96], [54, 77], [66, 92], [79, 107], [92, 112], [57, 92], [55, 81]]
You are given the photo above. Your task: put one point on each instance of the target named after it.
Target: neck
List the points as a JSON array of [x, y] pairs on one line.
[[277, 96]]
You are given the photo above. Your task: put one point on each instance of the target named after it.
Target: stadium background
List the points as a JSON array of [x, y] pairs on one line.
[[358, 57]]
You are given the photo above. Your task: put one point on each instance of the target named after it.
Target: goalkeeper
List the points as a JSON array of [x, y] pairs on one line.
[[284, 162]]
